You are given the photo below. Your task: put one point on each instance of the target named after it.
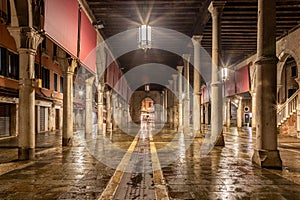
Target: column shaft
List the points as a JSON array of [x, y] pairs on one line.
[[239, 117], [253, 121], [26, 140], [175, 109], [68, 103], [197, 81], [266, 153], [89, 105], [100, 108], [108, 111], [186, 113], [215, 9], [228, 113], [180, 124]]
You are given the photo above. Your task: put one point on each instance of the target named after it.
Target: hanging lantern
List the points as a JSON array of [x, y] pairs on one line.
[[145, 41]]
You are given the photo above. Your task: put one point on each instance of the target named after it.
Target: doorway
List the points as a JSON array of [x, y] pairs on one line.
[[147, 113]]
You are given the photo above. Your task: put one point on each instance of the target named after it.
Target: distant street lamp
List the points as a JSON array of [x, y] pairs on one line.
[[147, 88]]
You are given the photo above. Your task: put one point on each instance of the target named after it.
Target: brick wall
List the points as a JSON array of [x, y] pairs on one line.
[[289, 127]]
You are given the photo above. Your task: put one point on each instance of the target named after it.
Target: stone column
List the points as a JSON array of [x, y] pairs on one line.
[[186, 110], [108, 111], [115, 111], [228, 113], [27, 40], [180, 124], [175, 101], [89, 105], [166, 106], [197, 81], [297, 109], [266, 153], [68, 71], [206, 114], [100, 107], [253, 121], [163, 106], [170, 104], [239, 113], [216, 8]]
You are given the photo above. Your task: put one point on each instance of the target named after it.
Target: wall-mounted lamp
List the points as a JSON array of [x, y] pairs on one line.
[[98, 24]]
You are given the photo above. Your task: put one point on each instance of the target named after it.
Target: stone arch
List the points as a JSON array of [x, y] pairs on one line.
[[136, 100], [26, 13], [283, 55]]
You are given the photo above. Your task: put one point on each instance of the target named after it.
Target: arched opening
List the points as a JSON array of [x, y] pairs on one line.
[[288, 85], [147, 113]]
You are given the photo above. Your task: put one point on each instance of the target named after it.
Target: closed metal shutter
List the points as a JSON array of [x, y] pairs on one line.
[[42, 118], [5, 116]]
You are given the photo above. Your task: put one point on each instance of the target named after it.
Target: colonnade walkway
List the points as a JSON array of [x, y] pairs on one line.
[[147, 164]]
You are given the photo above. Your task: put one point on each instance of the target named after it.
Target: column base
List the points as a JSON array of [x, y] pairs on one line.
[[179, 129], [267, 159], [197, 134], [109, 127], [220, 141], [26, 153], [186, 130], [67, 141]]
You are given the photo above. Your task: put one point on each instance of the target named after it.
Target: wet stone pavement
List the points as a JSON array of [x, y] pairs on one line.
[[86, 170]]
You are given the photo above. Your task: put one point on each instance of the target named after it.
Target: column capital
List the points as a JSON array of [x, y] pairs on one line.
[[196, 39], [179, 68], [68, 67], [90, 80], [186, 57], [26, 37], [174, 76], [216, 7]]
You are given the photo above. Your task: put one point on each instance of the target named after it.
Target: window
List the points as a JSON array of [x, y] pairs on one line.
[[1, 61], [54, 51], [55, 82], [4, 11], [9, 64], [294, 71], [45, 75], [44, 44], [61, 84]]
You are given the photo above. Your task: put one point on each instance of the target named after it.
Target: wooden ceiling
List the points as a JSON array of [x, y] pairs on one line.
[[191, 17]]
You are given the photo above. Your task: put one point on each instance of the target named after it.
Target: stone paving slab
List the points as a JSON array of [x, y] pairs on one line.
[[225, 173]]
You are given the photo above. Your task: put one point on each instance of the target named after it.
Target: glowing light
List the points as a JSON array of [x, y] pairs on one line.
[[225, 75], [145, 40]]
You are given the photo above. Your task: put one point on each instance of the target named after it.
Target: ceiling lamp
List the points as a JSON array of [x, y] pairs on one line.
[[145, 41]]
